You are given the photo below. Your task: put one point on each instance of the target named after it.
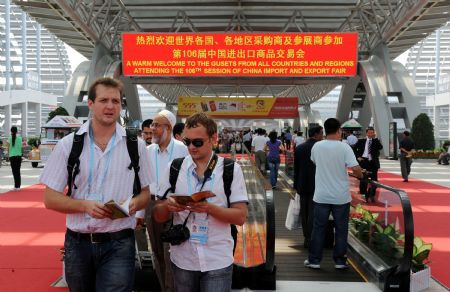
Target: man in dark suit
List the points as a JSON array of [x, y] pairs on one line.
[[304, 180], [368, 154]]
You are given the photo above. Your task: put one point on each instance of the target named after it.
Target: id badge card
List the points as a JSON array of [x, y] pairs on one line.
[[92, 197], [199, 231]]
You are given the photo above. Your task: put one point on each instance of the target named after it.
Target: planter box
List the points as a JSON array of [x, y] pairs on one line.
[[420, 280]]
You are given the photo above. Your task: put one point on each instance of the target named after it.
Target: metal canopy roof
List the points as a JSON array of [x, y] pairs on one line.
[[82, 23]]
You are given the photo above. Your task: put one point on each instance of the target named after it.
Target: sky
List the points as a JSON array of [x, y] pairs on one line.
[[75, 58]]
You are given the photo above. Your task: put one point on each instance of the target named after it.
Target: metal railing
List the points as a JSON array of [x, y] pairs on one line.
[[254, 265], [381, 235]]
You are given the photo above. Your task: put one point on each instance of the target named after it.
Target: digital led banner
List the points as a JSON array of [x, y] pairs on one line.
[[238, 54], [281, 107]]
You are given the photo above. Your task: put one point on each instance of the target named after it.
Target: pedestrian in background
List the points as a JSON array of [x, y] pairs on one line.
[[15, 156], [147, 131], [406, 151], [258, 146], [368, 155], [332, 194], [274, 147], [178, 131], [304, 180]]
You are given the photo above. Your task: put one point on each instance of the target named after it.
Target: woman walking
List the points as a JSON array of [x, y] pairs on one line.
[[15, 156], [274, 146]]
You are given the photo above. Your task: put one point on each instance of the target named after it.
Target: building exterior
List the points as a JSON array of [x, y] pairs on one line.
[[430, 76], [30, 58]]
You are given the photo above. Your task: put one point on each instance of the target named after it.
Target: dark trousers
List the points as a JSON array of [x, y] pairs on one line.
[[321, 215], [107, 266], [405, 166], [370, 166], [307, 215], [16, 162]]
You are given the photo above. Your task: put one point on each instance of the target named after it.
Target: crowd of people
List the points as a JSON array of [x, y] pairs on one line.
[[193, 243]]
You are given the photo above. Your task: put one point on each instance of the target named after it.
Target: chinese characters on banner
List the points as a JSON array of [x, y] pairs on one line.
[[281, 107], [222, 54]]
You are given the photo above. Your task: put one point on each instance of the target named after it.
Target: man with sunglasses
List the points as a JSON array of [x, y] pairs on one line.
[[204, 262], [162, 151]]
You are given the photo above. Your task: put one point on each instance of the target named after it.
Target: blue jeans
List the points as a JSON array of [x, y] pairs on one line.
[[321, 215], [107, 266], [194, 281], [274, 164]]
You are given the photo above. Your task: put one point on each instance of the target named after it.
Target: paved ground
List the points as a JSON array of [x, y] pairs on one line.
[[421, 169], [30, 176], [424, 169]]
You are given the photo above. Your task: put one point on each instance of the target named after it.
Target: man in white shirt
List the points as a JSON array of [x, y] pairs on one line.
[[298, 139], [99, 251], [204, 262], [331, 194], [162, 151], [258, 144]]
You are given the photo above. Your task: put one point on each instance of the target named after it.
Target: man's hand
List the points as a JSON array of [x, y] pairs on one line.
[[173, 206], [96, 210], [360, 159], [133, 206], [140, 223], [199, 207]]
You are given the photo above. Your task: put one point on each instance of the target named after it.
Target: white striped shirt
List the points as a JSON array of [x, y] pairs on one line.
[[217, 253], [117, 185], [159, 161]]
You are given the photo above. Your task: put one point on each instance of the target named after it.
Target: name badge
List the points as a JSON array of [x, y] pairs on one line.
[[199, 231], [92, 197]]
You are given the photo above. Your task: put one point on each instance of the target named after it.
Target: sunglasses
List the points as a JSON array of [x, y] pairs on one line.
[[198, 142]]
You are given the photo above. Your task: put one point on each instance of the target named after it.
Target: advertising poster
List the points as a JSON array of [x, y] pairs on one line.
[[281, 107]]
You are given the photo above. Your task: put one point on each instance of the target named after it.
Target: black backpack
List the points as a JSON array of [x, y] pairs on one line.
[[73, 163], [228, 169]]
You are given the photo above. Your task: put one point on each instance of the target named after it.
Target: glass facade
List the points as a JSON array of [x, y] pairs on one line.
[[30, 58]]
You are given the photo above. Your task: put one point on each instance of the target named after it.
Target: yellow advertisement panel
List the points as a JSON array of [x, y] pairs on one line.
[[280, 107]]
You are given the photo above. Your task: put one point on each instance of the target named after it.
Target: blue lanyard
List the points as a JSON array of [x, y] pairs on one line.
[[188, 178], [156, 160], [91, 161]]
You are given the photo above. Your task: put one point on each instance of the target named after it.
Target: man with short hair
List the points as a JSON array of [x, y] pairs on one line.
[[162, 152], [258, 144], [406, 151], [368, 155], [178, 131], [99, 251], [331, 194], [304, 174], [298, 139], [203, 262], [147, 131]]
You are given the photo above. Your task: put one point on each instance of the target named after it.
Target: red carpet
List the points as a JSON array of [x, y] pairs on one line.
[[431, 210], [30, 239]]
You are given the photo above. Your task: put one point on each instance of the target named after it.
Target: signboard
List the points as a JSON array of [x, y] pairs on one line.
[[239, 54], [281, 107], [393, 140]]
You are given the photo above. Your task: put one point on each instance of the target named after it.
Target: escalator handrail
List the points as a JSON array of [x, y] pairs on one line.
[[405, 264]]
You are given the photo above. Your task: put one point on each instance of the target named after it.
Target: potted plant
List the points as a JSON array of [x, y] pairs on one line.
[[420, 271]]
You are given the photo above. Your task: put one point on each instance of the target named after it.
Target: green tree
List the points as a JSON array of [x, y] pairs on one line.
[[59, 111], [422, 132]]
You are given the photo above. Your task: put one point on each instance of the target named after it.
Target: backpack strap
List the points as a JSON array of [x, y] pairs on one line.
[[133, 152], [228, 173], [175, 167], [73, 164]]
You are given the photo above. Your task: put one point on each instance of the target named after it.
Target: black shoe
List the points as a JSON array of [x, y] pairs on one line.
[[405, 180]]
